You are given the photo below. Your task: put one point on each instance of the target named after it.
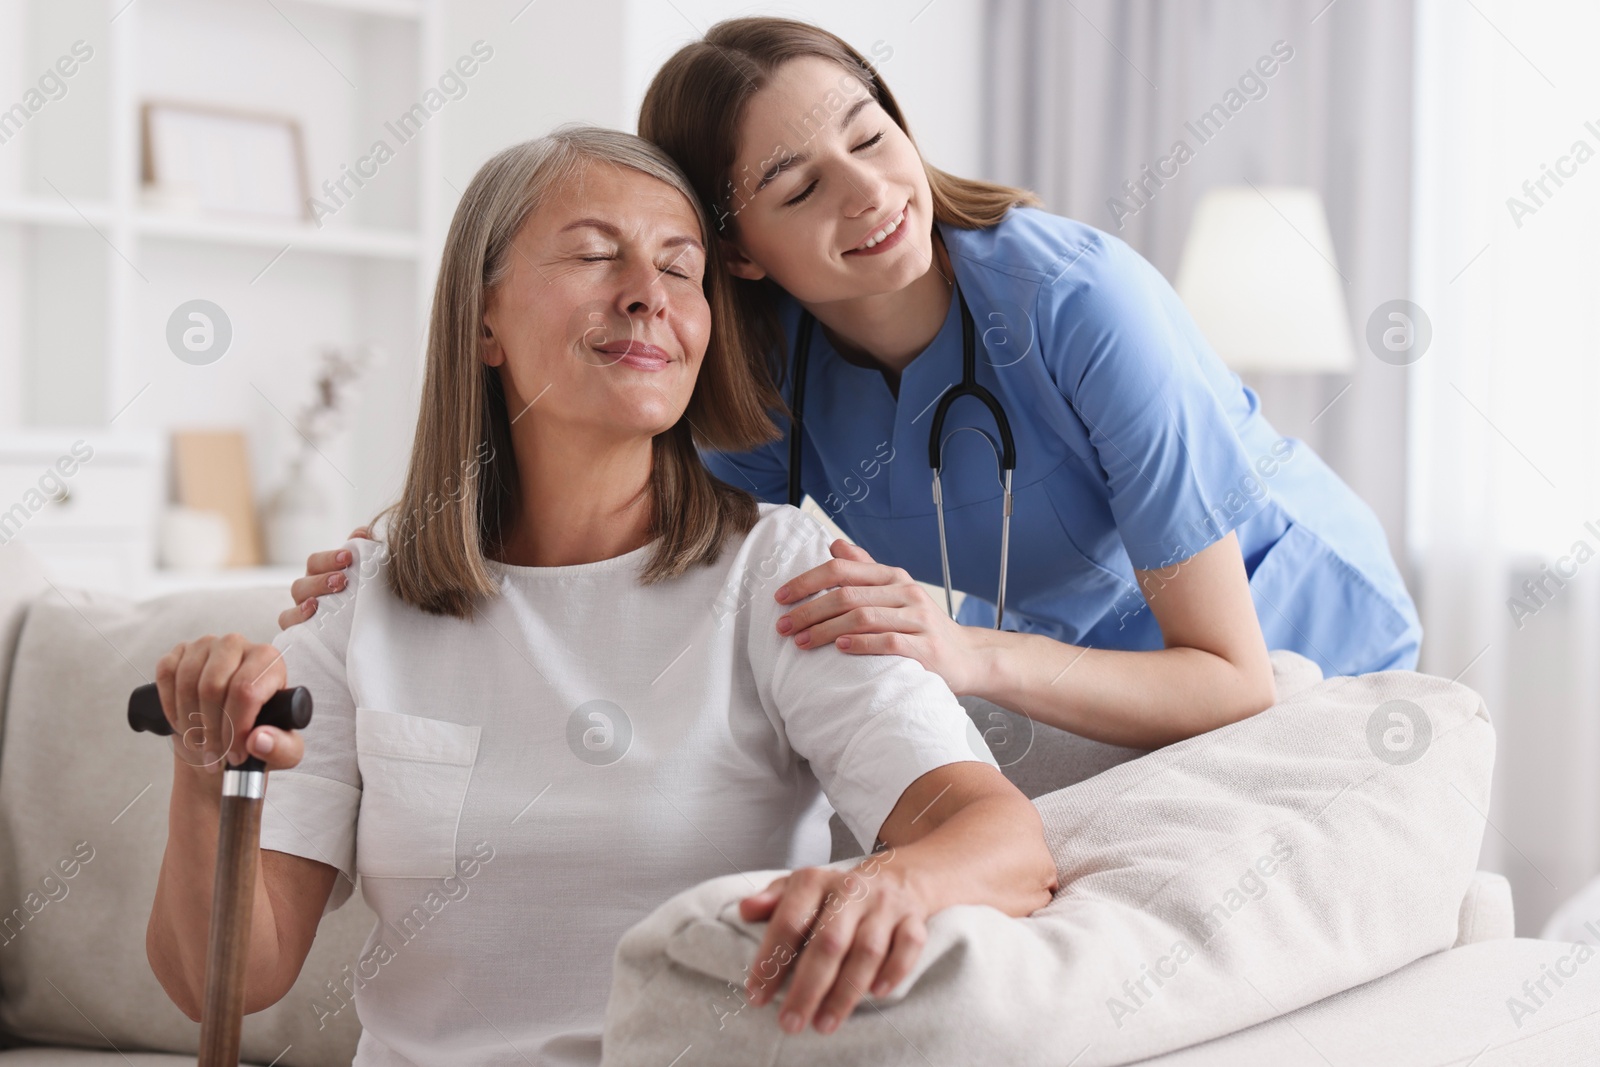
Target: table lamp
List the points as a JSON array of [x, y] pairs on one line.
[[1260, 278]]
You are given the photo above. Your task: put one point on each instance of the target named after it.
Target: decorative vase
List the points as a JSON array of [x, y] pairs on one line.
[[194, 540], [298, 518]]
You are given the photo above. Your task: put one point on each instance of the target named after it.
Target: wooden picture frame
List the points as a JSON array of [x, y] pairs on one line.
[[212, 473], [199, 159]]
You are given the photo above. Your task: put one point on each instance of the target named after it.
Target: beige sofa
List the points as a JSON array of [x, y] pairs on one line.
[[77, 784], [79, 792]]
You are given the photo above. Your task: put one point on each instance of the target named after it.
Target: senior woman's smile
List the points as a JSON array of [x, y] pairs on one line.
[[640, 355]]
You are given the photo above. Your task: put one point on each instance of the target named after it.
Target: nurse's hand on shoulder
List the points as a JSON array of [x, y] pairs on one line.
[[877, 610], [843, 934], [324, 574]]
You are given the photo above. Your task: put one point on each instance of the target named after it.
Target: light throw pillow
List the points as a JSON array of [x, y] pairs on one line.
[[1205, 887]]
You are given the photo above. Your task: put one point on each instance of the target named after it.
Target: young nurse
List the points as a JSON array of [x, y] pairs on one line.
[[1163, 537]]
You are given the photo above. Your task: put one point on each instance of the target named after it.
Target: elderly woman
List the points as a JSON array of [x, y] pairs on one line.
[[554, 695]]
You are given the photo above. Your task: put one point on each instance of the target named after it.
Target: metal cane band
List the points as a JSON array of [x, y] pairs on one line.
[[238, 782]]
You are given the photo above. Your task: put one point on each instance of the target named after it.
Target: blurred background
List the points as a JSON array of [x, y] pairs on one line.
[[220, 221]]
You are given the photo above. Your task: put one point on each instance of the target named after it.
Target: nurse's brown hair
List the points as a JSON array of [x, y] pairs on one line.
[[693, 108], [461, 490]]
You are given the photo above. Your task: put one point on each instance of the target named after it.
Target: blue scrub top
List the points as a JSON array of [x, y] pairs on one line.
[[1136, 448]]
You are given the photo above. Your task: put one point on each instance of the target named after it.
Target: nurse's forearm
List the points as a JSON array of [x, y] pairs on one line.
[[1135, 699]]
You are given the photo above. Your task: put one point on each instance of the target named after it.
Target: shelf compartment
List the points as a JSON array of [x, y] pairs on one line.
[[374, 243]]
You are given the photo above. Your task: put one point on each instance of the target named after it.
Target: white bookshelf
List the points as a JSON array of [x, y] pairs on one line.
[[90, 271], [364, 241], [45, 213]]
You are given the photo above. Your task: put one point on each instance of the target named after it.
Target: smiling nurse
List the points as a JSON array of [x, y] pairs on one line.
[[1164, 536], [1139, 456]]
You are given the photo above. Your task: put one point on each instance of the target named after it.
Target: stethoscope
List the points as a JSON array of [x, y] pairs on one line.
[[968, 386]]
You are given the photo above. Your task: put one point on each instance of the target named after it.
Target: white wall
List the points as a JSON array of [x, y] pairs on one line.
[[933, 65], [591, 62], [553, 62]]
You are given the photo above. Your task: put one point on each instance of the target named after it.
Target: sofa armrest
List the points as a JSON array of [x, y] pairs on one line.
[[1486, 911], [21, 580]]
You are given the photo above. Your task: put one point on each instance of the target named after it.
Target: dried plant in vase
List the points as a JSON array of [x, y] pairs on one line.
[[299, 514]]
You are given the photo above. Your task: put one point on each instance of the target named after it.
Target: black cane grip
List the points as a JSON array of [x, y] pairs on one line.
[[287, 709]]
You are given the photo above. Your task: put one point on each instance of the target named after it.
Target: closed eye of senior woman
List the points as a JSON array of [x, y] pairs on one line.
[[571, 351]]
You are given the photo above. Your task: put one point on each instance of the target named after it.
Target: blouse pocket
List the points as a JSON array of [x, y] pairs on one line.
[[414, 778]]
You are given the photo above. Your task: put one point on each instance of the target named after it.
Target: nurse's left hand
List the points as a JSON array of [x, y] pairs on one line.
[[878, 610], [842, 934]]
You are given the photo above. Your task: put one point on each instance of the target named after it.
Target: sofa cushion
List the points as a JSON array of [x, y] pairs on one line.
[[77, 786], [1466, 1007]]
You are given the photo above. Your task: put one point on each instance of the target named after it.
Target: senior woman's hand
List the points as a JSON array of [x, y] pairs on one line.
[[959, 834], [852, 932], [880, 610]]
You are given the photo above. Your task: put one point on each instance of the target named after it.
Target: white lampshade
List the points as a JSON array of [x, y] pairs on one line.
[[1259, 277]]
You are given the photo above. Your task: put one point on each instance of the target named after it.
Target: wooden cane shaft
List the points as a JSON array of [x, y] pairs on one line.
[[228, 946]]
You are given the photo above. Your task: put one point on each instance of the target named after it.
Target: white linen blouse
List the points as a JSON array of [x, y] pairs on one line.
[[517, 790]]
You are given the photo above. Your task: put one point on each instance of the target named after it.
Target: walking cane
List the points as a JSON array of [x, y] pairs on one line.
[[238, 849]]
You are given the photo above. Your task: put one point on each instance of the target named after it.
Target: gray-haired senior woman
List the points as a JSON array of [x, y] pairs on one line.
[[554, 696]]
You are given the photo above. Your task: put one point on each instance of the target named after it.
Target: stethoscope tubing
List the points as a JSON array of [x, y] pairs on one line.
[[1006, 454]]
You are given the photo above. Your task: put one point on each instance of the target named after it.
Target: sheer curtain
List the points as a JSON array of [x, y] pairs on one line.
[[1505, 518], [1085, 94]]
